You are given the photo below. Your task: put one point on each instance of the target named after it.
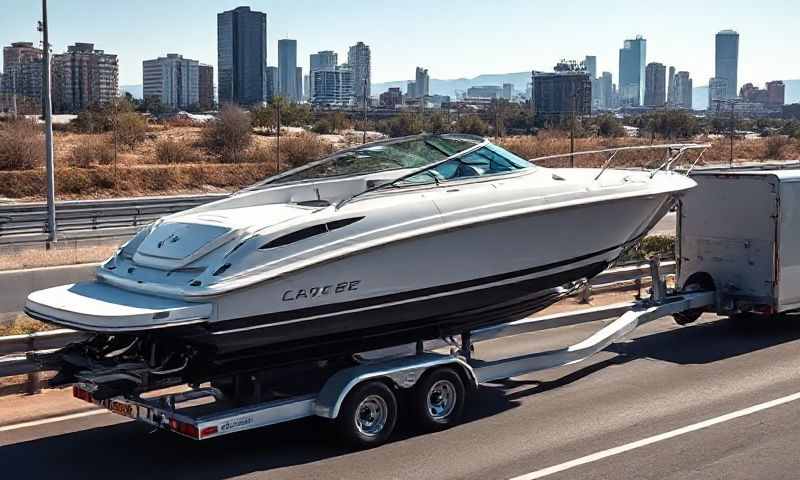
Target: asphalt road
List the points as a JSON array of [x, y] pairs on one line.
[[665, 378]]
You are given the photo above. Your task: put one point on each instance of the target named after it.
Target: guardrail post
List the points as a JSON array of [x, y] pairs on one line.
[[585, 294], [34, 381]]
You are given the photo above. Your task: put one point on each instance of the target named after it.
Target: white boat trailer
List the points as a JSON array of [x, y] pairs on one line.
[[363, 399]]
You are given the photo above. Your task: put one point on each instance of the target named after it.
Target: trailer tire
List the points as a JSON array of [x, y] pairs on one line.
[[438, 399], [368, 415]]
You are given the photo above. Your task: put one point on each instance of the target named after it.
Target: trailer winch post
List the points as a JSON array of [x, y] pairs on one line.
[[659, 288]]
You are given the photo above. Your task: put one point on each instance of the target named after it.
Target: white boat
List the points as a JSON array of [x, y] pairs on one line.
[[389, 242]]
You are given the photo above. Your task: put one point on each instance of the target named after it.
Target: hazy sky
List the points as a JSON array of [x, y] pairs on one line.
[[452, 39]]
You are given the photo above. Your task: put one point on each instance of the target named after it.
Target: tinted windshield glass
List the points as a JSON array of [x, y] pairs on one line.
[[414, 153], [488, 160]]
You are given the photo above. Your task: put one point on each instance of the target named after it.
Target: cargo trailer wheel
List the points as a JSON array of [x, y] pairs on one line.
[[695, 283], [438, 399], [368, 415]]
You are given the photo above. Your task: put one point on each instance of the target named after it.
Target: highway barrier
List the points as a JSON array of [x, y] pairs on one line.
[[18, 352]]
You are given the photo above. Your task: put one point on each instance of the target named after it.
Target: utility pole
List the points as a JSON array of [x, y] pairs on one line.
[[364, 95], [48, 130], [572, 130], [278, 138], [14, 91], [733, 131]]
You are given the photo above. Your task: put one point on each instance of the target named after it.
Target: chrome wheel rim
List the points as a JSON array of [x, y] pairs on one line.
[[441, 399], [371, 415]]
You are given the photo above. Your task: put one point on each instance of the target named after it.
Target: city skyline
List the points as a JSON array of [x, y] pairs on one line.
[[516, 47]]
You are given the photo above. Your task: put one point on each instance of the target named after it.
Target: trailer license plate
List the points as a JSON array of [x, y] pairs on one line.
[[121, 409]]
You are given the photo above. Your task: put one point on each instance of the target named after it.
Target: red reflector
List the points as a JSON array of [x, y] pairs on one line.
[[208, 431], [82, 394], [184, 428]]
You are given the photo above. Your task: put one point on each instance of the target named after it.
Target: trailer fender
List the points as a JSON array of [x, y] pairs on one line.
[[402, 372]]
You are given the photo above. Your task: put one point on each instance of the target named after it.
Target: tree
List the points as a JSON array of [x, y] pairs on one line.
[[471, 124], [438, 123], [609, 126], [401, 126]]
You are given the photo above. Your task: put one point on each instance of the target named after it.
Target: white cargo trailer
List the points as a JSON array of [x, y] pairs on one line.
[[739, 233]]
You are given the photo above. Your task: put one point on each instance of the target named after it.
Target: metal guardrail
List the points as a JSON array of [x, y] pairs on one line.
[[27, 222], [17, 352]]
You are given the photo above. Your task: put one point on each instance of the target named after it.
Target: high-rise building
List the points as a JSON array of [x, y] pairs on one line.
[[205, 86], [391, 98], [298, 83], [83, 76], [422, 83], [566, 91], [508, 91], [324, 60], [287, 69], [485, 91], [273, 83], [590, 62], [22, 67], [306, 88], [242, 56], [173, 80], [632, 58], [717, 90], [360, 60], [671, 86], [655, 84], [333, 87], [606, 90], [726, 61], [683, 90], [411, 90], [776, 93]]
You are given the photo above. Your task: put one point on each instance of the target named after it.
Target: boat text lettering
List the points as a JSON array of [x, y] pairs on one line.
[[313, 292]]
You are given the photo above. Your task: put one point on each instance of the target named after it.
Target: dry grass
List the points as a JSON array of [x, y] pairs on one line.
[[168, 151], [21, 145], [64, 252], [22, 324], [304, 148], [93, 151]]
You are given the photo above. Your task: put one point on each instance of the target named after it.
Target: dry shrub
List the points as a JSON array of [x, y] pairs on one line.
[[259, 154], [92, 151], [171, 151], [130, 129], [774, 146], [229, 135], [21, 145], [304, 148]]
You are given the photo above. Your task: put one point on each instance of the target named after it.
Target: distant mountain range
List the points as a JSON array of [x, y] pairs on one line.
[[520, 81]]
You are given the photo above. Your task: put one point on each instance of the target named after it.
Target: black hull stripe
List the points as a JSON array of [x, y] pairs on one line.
[[279, 317]]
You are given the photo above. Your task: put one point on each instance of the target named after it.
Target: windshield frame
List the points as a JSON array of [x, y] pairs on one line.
[[270, 182]]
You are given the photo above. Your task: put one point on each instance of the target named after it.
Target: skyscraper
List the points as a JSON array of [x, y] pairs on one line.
[[565, 92], [717, 90], [242, 56], [683, 90], [422, 84], [632, 58], [205, 86], [298, 84], [83, 76], [671, 86], [726, 61], [606, 93], [173, 80], [655, 85], [324, 60], [287, 69], [333, 86], [273, 82], [590, 62], [360, 60], [776, 91]]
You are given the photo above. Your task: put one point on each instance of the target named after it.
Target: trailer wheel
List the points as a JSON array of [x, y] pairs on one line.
[[438, 399], [368, 415], [696, 283]]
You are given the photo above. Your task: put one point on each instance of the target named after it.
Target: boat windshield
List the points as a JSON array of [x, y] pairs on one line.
[[411, 153], [487, 160]]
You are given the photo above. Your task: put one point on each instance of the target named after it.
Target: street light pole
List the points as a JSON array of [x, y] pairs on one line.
[[48, 130], [364, 94], [733, 130]]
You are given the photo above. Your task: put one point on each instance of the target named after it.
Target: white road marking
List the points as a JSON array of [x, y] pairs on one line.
[[657, 438], [45, 421]]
